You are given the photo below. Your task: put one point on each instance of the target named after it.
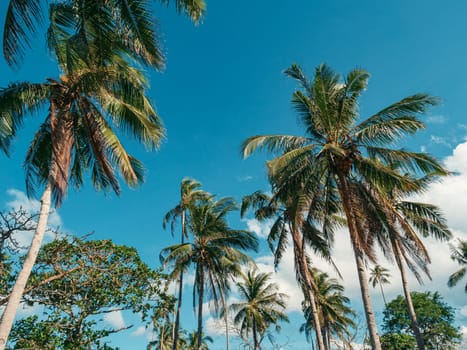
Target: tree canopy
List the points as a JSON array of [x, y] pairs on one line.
[[435, 320], [77, 282]]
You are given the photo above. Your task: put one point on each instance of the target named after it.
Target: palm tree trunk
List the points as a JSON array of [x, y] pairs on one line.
[[15, 297], [200, 308], [382, 293], [408, 298], [299, 251], [180, 292], [226, 320], [255, 336], [344, 192]]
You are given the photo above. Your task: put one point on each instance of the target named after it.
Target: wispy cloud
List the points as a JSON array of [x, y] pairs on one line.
[[245, 178], [438, 140], [436, 119]]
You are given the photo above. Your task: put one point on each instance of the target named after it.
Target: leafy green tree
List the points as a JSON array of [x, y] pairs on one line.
[[78, 282], [459, 255], [189, 194], [261, 306], [128, 21], [435, 320], [216, 252], [336, 317], [340, 152], [394, 341], [380, 275]]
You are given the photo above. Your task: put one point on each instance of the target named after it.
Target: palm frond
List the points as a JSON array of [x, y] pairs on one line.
[[271, 143], [21, 19]]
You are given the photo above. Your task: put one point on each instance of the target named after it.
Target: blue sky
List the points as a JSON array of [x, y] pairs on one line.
[[224, 83]]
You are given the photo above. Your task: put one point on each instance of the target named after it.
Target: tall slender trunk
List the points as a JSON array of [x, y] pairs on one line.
[[15, 297], [299, 251], [180, 292], [255, 336], [382, 293], [408, 297], [200, 308], [344, 192], [226, 320]]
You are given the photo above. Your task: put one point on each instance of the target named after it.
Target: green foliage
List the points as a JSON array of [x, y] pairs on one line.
[[128, 25], [77, 282], [459, 255], [335, 314], [394, 341], [260, 307], [435, 319], [216, 252]]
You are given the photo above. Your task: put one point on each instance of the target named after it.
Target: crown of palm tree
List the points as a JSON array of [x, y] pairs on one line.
[[344, 157], [261, 305], [88, 21]]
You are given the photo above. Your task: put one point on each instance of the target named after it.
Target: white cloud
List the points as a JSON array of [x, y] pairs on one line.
[[141, 330], [18, 201], [463, 312], [21, 200], [284, 277], [214, 327], [261, 229], [115, 319]]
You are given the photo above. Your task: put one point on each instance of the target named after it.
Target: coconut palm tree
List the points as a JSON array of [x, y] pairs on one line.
[[379, 275], [216, 252], [77, 135], [459, 255], [398, 228], [293, 216], [335, 150], [131, 21], [193, 342], [336, 317], [261, 306], [189, 194], [163, 339]]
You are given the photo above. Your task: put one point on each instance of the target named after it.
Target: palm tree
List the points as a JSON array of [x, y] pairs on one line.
[[288, 206], [194, 344], [335, 152], [399, 224], [216, 252], [164, 338], [459, 254], [129, 20], [261, 305], [379, 275], [76, 136], [189, 194], [336, 317]]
